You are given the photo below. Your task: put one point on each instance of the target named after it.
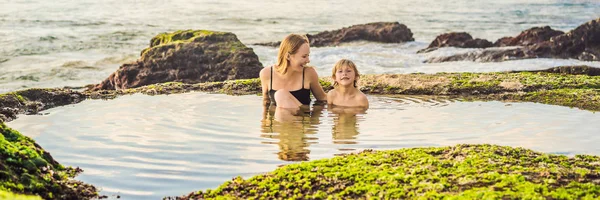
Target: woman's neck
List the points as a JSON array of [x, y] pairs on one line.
[[290, 73]]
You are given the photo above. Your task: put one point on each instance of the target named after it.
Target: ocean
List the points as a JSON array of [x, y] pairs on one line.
[[75, 43]]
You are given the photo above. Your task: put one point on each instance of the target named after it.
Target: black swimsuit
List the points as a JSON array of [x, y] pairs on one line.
[[303, 95]]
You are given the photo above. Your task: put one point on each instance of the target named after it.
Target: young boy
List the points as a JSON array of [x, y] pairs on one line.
[[345, 92]]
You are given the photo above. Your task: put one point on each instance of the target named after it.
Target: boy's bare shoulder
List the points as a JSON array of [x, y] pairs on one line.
[[364, 101], [361, 95], [332, 92]]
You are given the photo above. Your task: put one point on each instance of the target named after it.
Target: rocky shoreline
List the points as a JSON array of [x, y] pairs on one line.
[[573, 86]]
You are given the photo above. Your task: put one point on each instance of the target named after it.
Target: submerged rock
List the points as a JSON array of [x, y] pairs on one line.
[[581, 43], [385, 32], [25, 168], [575, 70], [191, 56], [461, 171], [456, 39]]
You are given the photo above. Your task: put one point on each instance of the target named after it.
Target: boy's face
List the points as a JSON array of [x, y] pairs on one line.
[[345, 76]]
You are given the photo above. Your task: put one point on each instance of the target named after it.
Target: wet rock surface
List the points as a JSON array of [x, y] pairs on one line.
[[456, 39], [529, 37], [384, 32], [581, 43], [32, 101]]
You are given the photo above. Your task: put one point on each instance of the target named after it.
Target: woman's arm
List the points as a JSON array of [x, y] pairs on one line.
[[315, 86], [265, 78]]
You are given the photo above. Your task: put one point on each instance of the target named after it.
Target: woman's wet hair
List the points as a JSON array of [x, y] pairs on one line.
[[344, 63], [289, 46]]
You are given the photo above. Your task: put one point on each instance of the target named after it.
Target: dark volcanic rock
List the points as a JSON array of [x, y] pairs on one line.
[[32, 101], [456, 39], [529, 37], [582, 43], [188, 57], [385, 32]]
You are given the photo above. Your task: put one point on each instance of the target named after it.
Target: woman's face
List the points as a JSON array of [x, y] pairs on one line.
[[301, 57], [345, 76]]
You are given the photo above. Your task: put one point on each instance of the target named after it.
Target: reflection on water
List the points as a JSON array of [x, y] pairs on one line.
[[148, 147], [345, 124], [293, 130]]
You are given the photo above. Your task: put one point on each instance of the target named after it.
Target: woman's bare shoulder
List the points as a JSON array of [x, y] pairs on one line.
[[310, 70], [265, 72]]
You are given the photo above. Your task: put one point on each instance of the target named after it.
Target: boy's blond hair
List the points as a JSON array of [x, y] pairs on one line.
[[288, 46], [344, 63]]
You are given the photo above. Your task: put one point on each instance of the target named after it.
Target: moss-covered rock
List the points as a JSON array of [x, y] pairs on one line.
[[13, 196], [25, 168], [575, 69], [188, 56], [588, 99], [458, 172]]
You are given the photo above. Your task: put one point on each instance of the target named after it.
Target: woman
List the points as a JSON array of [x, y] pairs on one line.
[[288, 84]]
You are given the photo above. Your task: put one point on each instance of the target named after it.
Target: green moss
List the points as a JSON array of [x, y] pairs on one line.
[[13, 196], [327, 85], [26, 168], [473, 83], [6, 96], [181, 36], [248, 82], [171, 40], [588, 99], [459, 172]]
